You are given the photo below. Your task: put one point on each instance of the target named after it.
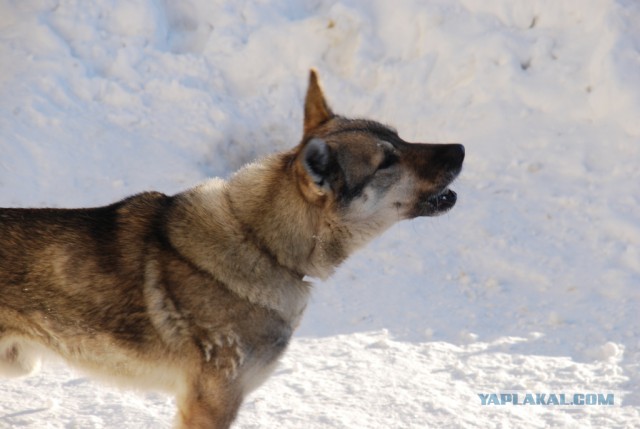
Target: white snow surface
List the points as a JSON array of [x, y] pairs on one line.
[[531, 283]]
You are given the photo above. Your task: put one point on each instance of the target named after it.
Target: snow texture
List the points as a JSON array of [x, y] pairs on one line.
[[531, 283]]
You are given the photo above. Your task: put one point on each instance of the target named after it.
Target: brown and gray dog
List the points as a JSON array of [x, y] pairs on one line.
[[200, 292]]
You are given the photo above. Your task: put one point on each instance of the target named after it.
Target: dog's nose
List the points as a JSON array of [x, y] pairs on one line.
[[460, 149], [451, 155]]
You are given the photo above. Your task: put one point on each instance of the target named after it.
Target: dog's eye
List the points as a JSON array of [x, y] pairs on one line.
[[389, 160]]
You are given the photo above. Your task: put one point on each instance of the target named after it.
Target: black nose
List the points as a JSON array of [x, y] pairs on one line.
[[451, 155]]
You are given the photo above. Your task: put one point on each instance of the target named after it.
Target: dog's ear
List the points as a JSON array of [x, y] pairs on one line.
[[316, 157], [316, 109]]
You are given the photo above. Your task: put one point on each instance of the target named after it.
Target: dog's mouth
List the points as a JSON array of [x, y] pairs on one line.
[[436, 204], [442, 201]]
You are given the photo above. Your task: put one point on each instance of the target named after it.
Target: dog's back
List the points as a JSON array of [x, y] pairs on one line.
[[108, 290], [68, 272]]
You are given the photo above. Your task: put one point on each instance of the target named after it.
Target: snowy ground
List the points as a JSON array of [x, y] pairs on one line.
[[531, 284]]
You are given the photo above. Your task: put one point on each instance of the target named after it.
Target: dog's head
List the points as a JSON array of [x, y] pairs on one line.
[[366, 173]]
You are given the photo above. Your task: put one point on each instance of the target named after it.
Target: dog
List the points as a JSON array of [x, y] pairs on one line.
[[199, 293]]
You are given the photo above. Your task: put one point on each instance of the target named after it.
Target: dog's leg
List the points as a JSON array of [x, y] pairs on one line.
[[17, 358], [212, 403]]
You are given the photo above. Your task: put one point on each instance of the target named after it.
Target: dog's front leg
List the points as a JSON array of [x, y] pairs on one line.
[[211, 403]]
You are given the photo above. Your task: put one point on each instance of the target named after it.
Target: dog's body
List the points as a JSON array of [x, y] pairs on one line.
[[199, 293]]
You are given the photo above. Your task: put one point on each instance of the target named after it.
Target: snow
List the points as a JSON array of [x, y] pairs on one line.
[[531, 283]]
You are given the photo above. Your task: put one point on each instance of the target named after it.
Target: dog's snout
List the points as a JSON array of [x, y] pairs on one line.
[[430, 160], [459, 149], [452, 155]]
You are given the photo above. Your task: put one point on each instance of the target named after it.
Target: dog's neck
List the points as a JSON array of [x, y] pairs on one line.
[[258, 236], [300, 236]]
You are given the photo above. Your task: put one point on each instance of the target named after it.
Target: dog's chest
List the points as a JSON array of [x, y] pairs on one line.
[[245, 353]]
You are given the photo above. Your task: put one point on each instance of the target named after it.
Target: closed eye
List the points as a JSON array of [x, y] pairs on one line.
[[389, 160]]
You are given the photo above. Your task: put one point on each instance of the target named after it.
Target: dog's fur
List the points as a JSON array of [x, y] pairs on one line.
[[199, 293]]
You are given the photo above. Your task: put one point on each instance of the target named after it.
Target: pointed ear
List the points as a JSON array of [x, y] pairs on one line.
[[316, 109], [315, 158]]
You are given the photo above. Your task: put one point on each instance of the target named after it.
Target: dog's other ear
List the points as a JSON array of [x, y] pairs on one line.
[[316, 109], [315, 158]]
